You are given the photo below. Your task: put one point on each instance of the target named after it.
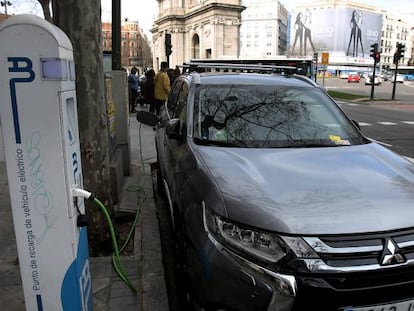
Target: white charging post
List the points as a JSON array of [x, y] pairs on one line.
[[41, 141]]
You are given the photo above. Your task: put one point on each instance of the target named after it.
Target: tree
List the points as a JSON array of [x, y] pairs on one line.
[[81, 21], [46, 9]]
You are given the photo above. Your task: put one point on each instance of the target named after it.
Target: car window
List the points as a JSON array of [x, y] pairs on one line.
[[181, 104], [270, 116], [172, 98]]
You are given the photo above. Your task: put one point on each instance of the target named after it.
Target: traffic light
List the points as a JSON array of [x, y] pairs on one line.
[[373, 50], [377, 57], [401, 50], [168, 44], [399, 53], [315, 58]]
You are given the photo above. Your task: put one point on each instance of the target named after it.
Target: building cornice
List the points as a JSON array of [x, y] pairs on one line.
[[199, 12]]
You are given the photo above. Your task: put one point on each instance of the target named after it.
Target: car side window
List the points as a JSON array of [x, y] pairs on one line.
[[180, 109], [172, 98]]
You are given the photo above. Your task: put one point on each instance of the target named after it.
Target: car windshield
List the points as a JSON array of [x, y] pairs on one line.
[[269, 116]]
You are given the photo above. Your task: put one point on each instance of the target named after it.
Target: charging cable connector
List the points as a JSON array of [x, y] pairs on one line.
[[76, 192]]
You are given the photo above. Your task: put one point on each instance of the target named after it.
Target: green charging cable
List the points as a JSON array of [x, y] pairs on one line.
[[116, 260]]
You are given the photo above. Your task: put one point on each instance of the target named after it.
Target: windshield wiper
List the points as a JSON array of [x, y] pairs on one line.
[[220, 143], [312, 145]]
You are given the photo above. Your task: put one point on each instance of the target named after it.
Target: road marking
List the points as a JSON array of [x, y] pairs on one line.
[[387, 123], [364, 124]]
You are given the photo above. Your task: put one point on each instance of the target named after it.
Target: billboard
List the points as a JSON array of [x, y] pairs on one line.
[[341, 31]]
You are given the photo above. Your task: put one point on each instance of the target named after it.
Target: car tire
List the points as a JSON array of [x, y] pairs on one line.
[[181, 266]]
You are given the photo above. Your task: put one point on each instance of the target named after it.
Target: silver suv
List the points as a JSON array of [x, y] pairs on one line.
[[278, 201]]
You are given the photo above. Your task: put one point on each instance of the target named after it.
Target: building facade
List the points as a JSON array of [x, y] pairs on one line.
[[395, 30], [135, 48], [263, 31], [198, 29]]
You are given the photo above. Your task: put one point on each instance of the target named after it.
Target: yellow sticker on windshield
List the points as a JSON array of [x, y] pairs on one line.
[[338, 140], [334, 138]]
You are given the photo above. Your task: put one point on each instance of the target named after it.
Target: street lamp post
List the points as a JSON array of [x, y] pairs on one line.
[[5, 4]]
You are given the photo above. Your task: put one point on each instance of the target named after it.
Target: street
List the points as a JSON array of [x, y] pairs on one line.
[[391, 123], [403, 91]]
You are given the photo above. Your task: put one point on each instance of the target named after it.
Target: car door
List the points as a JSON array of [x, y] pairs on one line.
[[174, 106], [166, 113], [176, 146]]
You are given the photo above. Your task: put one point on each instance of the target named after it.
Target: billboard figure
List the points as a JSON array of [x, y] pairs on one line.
[[308, 36], [303, 33], [299, 26], [356, 34]]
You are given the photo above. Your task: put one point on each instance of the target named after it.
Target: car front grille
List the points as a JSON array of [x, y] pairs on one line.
[[363, 252], [351, 271]]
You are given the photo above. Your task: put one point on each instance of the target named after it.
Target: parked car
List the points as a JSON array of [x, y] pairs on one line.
[[369, 80], [278, 201], [353, 77], [343, 75]]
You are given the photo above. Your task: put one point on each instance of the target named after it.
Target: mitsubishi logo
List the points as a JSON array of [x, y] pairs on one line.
[[391, 254]]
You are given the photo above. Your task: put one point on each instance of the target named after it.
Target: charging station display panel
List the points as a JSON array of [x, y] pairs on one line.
[[41, 141]]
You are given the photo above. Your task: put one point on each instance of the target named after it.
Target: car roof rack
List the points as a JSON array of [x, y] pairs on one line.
[[250, 68]]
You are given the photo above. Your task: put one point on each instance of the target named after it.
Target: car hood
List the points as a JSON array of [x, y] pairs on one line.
[[339, 190]]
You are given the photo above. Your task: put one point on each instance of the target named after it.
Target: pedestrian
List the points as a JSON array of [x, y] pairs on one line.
[[162, 87], [133, 88], [148, 89], [170, 73]]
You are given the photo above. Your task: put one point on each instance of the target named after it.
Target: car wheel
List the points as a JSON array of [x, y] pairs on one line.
[[181, 266], [183, 282]]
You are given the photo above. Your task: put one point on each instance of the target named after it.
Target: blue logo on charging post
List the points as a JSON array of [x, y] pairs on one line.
[[23, 65], [76, 291]]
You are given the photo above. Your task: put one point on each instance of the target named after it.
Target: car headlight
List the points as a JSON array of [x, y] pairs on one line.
[[263, 247]]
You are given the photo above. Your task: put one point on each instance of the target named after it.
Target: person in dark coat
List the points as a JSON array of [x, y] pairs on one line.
[[148, 89]]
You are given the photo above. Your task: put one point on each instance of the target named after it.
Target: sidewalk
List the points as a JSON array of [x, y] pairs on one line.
[[144, 268]]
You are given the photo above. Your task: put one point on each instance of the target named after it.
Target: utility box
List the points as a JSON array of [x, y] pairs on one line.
[[39, 122]]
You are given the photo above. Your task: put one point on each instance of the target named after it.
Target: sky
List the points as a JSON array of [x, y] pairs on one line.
[[145, 11]]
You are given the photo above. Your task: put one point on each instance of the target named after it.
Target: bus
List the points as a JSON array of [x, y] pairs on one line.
[[304, 65], [407, 72]]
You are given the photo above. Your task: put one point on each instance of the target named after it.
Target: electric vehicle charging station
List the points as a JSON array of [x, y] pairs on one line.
[[39, 123]]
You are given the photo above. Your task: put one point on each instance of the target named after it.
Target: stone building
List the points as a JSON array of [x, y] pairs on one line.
[[263, 31], [394, 30], [198, 29], [135, 48]]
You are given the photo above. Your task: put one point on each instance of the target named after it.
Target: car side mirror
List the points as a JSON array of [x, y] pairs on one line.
[[147, 118], [172, 129]]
